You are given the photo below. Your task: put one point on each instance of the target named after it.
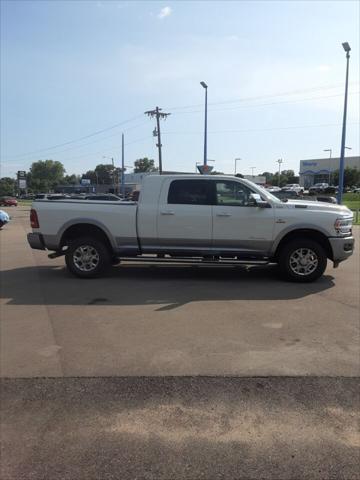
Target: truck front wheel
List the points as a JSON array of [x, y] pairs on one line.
[[302, 260], [87, 257]]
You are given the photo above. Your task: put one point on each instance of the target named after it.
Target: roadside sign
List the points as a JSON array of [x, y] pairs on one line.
[[22, 183], [85, 181], [21, 174], [205, 169]]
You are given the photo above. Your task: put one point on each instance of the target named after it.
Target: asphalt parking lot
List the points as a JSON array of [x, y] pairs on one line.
[[176, 371]]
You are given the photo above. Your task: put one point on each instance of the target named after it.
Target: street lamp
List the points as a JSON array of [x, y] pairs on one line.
[[347, 49], [280, 161], [252, 170], [329, 150], [203, 84], [236, 160]]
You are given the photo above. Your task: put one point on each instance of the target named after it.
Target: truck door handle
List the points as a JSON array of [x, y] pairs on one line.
[[167, 212], [223, 214]]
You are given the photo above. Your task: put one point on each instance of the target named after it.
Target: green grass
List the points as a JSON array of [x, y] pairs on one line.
[[352, 200]]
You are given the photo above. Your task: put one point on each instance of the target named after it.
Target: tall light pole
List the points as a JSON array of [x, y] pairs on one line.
[[236, 160], [203, 84], [122, 167], [329, 150], [347, 49], [252, 170], [280, 161]]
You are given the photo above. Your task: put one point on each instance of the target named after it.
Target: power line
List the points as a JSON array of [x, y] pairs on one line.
[[91, 143], [281, 94], [53, 147], [109, 151], [98, 132], [261, 129], [268, 104]]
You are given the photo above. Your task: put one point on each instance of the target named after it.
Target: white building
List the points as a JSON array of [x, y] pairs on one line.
[[319, 170]]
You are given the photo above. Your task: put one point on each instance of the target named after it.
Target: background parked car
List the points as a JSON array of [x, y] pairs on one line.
[[4, 218], [318, 188], [8, 202], [293, 186], [286, 194], [273, 189]]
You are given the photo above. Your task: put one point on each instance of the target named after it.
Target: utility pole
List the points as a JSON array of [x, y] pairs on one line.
[[113, 175], [122, 167], [159, 115], [280, 161]]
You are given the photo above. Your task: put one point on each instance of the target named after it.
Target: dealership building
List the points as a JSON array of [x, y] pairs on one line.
[[319, 170]]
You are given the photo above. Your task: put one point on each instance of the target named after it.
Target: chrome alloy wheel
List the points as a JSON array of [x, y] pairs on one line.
[[303, 261], [86, 258]]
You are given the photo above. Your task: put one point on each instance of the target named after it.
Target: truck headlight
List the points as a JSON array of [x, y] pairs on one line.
[[343, 225]]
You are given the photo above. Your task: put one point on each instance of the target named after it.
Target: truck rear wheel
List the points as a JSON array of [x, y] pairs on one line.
[[302, 260], [87, 257]]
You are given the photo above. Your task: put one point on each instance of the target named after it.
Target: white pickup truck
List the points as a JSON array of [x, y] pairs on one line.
[[195, 219]]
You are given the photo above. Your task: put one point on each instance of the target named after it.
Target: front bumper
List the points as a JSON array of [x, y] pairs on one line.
[[36, 241], [342, 248]]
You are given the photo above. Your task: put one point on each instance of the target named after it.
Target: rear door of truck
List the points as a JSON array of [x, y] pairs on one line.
[[178, 217]]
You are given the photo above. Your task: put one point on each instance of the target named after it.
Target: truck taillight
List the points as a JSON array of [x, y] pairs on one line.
[[34, 221]]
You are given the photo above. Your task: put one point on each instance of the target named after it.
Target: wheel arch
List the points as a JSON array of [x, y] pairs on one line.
[[309, 233], [85, 228]]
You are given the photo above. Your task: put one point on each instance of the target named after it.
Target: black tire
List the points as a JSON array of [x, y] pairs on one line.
[[290, 258], [95, 258]]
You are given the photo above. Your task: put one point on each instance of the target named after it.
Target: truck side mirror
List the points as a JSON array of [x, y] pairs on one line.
[[255, 200]]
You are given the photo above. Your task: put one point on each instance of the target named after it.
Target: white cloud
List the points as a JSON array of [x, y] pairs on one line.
[[164, 12]]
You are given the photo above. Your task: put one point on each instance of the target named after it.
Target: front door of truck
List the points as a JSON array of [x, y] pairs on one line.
[[238, 225]]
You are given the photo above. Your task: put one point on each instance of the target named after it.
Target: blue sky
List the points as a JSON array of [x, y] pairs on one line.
[[275, 72]]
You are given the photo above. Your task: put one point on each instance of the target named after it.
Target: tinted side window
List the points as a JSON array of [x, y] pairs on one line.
[[232, 194], [190, 192]]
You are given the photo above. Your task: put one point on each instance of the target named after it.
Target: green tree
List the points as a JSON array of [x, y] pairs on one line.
[[91, 175], [104, 173], [269, 177], [144, 165], [286, 176], [45, 175], [7, 186], [351, 177], [71, 179]]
